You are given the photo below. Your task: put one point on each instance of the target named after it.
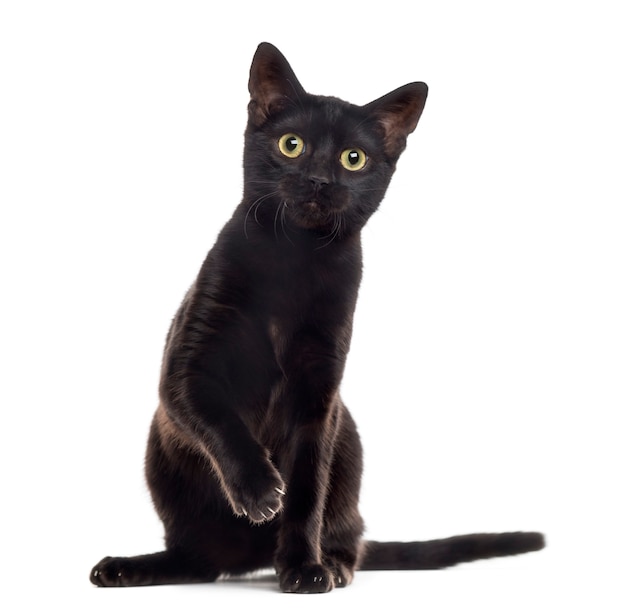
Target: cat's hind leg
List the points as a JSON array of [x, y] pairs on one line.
[[164, 567]]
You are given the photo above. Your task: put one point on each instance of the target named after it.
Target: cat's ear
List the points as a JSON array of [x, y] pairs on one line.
[[397, 114], [272, 85]]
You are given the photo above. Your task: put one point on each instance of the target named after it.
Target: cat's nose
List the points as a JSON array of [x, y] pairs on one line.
[[319, 181]]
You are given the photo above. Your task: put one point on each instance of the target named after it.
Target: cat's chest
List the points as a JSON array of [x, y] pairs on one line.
[[279, 340]]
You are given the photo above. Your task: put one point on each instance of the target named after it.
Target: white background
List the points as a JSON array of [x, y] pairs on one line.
[[488, 360]]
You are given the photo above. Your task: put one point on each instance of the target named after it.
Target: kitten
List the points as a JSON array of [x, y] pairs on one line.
[[253, 460]]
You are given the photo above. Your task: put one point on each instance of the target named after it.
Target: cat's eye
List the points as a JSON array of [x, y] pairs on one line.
[[291, 145], [353, 159]]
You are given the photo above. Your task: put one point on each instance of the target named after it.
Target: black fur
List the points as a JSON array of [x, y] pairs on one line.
[[253, 460]]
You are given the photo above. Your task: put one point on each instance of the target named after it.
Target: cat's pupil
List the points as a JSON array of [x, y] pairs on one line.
[[353, 157], [291, 143]]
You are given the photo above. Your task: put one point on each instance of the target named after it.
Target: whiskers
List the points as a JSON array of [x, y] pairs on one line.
[[255, 207], [280, 213], [333, 222], [334, 233]]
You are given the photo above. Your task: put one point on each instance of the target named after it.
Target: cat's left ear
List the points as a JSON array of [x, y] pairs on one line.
[[397, 114], [272, 85]]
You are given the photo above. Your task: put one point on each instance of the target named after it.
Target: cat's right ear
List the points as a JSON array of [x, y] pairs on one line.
[[272, 85]]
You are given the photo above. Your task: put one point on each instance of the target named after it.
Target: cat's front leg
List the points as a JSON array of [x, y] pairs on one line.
[[299, 559], [254, 488], [203, 418], [306, 465]]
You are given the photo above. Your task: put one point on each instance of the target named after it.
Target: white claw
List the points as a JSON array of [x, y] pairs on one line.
[[281, 492], [244, 511], [264, 516], [271, 510]]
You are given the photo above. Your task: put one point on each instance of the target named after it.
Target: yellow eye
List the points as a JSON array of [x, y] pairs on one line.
[[353, 159], [291, 145]]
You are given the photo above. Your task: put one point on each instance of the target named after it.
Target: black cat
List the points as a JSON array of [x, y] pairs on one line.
[[253, 460]]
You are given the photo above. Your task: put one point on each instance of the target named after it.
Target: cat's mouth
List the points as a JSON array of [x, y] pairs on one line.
[[313, 207], [309, 214]]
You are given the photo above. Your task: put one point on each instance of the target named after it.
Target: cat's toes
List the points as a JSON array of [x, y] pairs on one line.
[[342, 575], [122, 572], [112, 572], [310, 579], [263, 508], [261, 500]]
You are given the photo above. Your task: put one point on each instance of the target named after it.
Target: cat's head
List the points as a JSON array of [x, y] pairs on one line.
[[315, 162]]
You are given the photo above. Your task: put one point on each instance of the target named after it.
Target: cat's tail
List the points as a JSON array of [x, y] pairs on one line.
[[440, 553]]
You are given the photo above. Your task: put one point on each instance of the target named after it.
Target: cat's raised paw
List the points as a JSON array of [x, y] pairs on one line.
[[309, 579], [261, 498]]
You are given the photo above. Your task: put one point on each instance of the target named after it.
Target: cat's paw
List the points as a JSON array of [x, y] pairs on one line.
[[114, 572], [342, 575], [307, 579], [260, 495]]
